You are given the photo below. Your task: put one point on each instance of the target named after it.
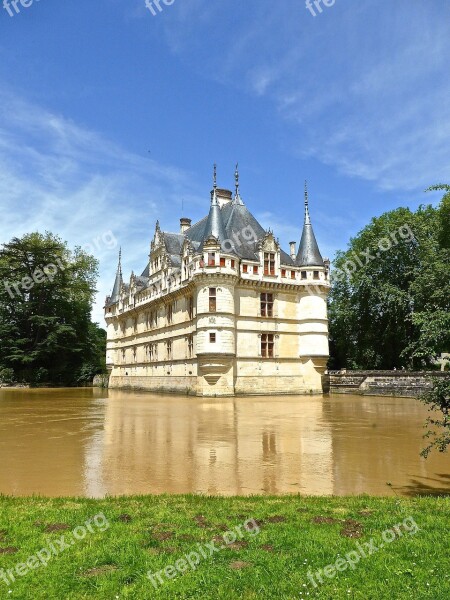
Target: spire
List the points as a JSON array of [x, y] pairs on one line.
[[214, 224], [118, 282], [237, 196], [308, 254], [307, 217]]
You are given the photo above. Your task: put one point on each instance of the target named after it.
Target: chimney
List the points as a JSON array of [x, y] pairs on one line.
[[293, 251], [223, 196], [184, 224]]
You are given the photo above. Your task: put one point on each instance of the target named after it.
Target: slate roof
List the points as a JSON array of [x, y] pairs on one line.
[[117, 285], [235, 227], [308, 254], [239, 224]]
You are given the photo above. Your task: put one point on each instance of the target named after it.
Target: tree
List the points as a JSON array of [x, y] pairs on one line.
[[390, 296], [46, 296], [438, 399]]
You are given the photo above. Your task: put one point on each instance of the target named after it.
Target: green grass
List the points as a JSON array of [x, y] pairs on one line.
[[151, 533]]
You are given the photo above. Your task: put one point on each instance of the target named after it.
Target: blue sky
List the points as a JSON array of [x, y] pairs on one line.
[[111, 117]]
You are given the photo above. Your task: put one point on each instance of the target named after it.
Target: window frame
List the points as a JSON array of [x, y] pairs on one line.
[[269, 263], [266, 304], [268, 345], [212, 305]]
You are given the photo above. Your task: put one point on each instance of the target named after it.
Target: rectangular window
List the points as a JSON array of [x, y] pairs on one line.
[[269, 263], [211, 259], [292, 274], [283, 272], [244, 268], [255, 270], [267, 345], [190, 345], [267, 305], [190, 305], [315, 274], [304, 274], [222, 262], [212, 338], [232, 264], [169, 313], [212, 299], [169, 349]]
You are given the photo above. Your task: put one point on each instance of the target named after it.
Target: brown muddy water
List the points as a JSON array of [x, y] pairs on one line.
[[90, 442]]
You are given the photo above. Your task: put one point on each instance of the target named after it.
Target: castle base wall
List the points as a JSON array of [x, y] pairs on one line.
[[168, 384], [198, 386], [276, 385]]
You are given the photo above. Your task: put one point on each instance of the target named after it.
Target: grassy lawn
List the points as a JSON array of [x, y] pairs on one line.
[[257, 547]]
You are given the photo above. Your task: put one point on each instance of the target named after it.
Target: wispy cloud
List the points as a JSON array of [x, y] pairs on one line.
[[364, 87], [60, 177]]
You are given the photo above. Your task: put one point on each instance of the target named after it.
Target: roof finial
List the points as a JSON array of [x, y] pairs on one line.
[[119, 268], [237, 195], [214, 192], [307, 217]]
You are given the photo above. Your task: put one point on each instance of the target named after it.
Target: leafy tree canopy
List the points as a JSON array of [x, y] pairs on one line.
[[46, 296], [390, 297]]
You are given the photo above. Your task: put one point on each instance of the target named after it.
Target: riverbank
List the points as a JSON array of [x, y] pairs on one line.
[[404, 384], [212, 548]]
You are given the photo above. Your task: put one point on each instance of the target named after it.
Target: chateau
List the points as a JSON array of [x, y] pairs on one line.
[[221, 310]]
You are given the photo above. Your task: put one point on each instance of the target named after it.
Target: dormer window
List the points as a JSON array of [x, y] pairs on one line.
[[211, 259], [269, 263]]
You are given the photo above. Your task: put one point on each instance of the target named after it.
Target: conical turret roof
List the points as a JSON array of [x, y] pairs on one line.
[[214, 223], [118, 282], [308, 254]]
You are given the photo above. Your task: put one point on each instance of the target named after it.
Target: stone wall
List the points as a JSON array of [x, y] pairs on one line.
[[382, 383]]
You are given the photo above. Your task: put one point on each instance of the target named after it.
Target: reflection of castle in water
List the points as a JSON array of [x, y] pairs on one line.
[[232, 446], [347, 445]]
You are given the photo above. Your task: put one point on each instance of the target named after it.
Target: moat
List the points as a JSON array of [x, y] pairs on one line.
[[91, 442]]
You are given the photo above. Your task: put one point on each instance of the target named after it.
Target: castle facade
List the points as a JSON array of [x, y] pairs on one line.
[[221, 310]]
